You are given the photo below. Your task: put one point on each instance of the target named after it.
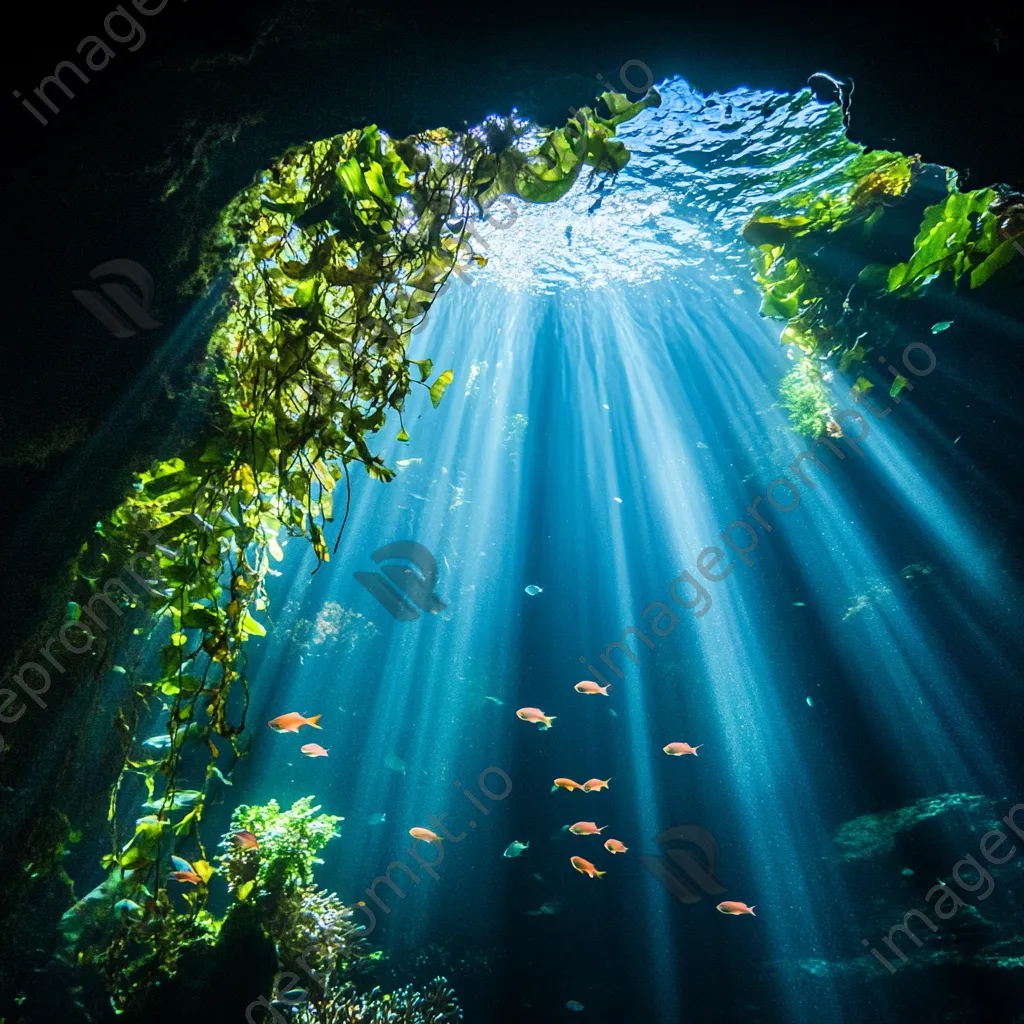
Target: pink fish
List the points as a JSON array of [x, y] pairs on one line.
[[426, 835], [587, 686], [593, 785], [584, 867], [313, 750], [586, 828], [535, 715], [735, 907], [614, 846], [679, 749], [245, 840]]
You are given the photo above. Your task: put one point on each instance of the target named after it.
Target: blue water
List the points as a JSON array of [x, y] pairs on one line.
[[614, 409]]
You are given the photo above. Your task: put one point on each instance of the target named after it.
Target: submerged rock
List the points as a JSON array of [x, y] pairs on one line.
[[874, 834]]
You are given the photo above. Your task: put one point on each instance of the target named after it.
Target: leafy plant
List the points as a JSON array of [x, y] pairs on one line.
[[825, 306], [328, 262], [289, 842]]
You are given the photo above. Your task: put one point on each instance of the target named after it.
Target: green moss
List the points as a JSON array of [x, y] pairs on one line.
[[803, 394]]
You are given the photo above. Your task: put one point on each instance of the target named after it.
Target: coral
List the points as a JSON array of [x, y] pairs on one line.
[[435, 1005], [314, 927]]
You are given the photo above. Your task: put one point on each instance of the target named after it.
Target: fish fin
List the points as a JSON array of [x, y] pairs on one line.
[[752, 914], [548, 719], [606, 689], [312, 721], [553, 788], [600, 874]]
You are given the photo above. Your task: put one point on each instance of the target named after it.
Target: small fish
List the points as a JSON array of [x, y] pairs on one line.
[[593, 785], [810, 703], [589, 686], [701, 444], [244, 840], [185, 872], [734, 907], [426, 835], [614, 846], [942, 325], [586, 828], [958, 438], [799, 604], [544, 908], [495, 700], [293, 997], [515, 848], [377, 819], [292, 722], [618, 500], [584, 867], [535, 715], [533, 590], [158, 742], [679, 749], [613, 713], [574, 1004], [567, 784], [313, 750], [907, 872], [396, 764], [540, 878]]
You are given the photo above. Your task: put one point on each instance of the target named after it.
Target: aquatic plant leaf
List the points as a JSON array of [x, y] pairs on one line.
[[251, 627], [898, 385], [200, 618], [425, 366], [438, 388], [180, 800], [1004, 254]]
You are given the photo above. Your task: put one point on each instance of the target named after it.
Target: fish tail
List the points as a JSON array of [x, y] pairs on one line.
[[752, 914], [599, 874], [553, 788], [605, 689], [548, 719], [312, 721]]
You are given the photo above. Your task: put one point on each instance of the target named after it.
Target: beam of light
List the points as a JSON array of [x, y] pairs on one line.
[[625, 360]]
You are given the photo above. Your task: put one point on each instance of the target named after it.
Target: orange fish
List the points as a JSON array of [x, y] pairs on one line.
[[426, 835], [614, 846], [245, 840], [734, 907], [535, 715], [584, 867], [593, 785], [586, 828], [313, 750], [567, 784], [587, 686], [292, 722], [678, 749]]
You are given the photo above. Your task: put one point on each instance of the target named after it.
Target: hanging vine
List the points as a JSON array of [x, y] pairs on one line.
[[332, 258]]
